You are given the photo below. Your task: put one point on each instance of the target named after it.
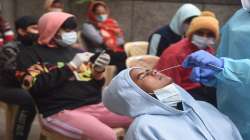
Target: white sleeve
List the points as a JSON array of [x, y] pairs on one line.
[[154, 43]]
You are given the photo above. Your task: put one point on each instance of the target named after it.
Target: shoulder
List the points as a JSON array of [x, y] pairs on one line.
[[112, 20], [142, 128], [87, 25], [162, 30], [177, 48], [212, 110], [144, 123]]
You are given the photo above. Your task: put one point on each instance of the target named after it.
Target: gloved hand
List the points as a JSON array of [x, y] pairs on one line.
[[80, 58], [101, 62], [202, 75], [203, 59]]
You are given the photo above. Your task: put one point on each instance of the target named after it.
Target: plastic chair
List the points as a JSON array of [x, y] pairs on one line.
[[144, 61], [10, 112], [136, 48]]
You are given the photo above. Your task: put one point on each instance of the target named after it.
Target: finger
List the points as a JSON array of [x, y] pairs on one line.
[[195, 75], [187, 63]]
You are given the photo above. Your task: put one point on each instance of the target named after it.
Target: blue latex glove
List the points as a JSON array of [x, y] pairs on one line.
[[202, 75], [203, 59]]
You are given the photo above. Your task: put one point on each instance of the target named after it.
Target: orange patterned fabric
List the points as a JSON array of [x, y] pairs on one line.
[[109, 28]]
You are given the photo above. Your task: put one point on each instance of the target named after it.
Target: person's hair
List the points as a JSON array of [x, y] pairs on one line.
[[70, 23], [56, 1], [25, 21], [97, 5], [189, 20]]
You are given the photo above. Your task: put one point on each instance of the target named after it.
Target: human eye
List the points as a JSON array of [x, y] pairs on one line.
[[144, 74]]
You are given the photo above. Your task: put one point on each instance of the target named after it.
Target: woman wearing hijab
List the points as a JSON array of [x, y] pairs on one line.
[[163, 110], [102, 32], [65, 83], [172, 33]]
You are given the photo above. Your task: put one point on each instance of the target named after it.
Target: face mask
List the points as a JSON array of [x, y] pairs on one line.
[[29, 39], [245, 4], [67, 39], [202, 42], [102, 18], [168, 95]]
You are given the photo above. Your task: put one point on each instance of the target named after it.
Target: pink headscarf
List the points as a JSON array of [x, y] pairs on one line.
[[48, 26]]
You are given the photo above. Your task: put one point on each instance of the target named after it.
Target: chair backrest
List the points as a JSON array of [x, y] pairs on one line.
[[109, 74], [10, 113], [136, 48], [144, 61]]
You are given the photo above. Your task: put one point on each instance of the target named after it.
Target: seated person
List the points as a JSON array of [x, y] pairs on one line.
[[26, 30], [173, 32], [12, 93], [103, 32], [6, 33], [65, 83], [53, 6], [201, 35], [163, 110]]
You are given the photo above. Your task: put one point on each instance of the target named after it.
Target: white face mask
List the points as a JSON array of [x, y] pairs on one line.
[[203, 42], [169, 95], [69, 38], [102, 18], [245, 4]]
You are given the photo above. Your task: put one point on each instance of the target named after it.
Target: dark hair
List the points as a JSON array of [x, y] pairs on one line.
[[56, 1], [189, 20], [70, 23], [97, 5], [25, 22]]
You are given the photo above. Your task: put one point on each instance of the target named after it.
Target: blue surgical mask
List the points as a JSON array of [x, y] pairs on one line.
[[102, 18], [67, 39]]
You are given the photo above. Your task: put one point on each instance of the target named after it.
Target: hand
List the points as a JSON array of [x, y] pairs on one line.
[[204, 59], [101, 62], [80, 58], [202, 75]]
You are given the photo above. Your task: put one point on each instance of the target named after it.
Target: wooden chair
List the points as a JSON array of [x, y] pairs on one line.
[[144, 61], [10, 113], [136, 48], [109, 74]]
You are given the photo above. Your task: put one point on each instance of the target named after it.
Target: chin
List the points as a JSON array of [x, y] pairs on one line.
[[166, 80]]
